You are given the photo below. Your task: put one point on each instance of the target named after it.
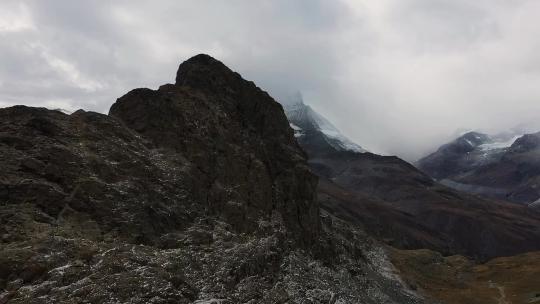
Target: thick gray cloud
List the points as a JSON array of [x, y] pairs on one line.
[[397, 76]]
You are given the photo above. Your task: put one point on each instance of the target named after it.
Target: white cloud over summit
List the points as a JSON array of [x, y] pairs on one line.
[[396, 76]]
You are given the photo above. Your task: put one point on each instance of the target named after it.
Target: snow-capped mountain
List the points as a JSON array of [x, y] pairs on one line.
[[311, 127], [469, 151], [505, 166], [397, 202]]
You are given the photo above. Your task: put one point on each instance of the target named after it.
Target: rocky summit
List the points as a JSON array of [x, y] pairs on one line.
[[193, 193], [233, 141]]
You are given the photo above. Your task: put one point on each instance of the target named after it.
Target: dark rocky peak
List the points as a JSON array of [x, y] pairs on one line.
[[233, 94], [475, 138], [526, 143], [504, 166], [468, 142], [205, 72], [220, 88], [235, 139], [456, 156]]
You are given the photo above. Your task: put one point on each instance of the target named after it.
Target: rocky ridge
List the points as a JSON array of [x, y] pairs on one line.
[[193, 193]]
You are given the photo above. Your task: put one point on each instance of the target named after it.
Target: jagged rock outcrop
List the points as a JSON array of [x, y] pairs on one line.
[[193, 193], [236, 142]]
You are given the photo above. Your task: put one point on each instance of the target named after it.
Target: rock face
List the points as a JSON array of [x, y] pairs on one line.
[[236, 142], [193, 193], [404, 207], [508, 169]]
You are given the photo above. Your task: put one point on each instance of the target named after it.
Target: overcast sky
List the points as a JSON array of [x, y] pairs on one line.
[[396, 76]]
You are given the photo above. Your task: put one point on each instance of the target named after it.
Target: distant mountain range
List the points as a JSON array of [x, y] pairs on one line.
[[502, 166], [404, 206]]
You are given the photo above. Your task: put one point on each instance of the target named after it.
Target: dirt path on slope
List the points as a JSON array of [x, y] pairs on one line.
[[502, 293]]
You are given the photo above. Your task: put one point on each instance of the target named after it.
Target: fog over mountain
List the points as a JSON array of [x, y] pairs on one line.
[[395, 76]]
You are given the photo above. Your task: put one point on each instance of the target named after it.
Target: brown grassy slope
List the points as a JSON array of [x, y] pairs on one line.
[[457, 280]]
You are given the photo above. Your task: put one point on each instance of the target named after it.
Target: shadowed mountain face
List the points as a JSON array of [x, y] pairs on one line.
[[236, 140], [193, 193], [406, 208], [470, 150], [505, 169]]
